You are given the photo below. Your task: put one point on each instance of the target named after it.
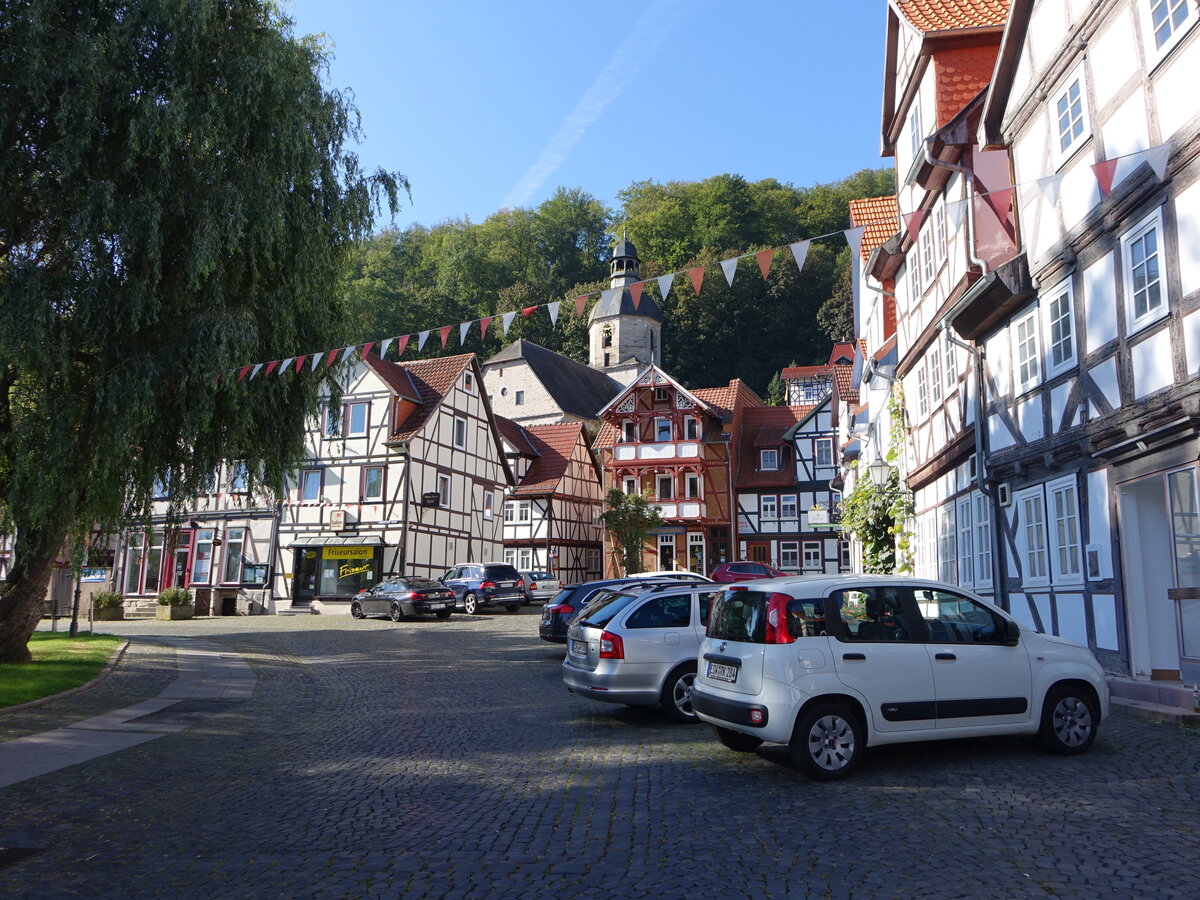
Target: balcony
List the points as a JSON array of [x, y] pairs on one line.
[[679, 509], [657, 452]]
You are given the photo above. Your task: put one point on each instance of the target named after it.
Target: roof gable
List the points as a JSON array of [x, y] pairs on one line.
[[576, 389], [554, 445]]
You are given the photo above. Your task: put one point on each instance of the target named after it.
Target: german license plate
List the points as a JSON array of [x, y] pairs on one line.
[[437, 605], [719, 672], [578, 648]]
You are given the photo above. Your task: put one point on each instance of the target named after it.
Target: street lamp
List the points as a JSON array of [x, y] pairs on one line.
[[880, 471]]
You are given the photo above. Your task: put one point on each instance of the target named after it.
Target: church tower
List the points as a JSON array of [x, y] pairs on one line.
[[623, 339]]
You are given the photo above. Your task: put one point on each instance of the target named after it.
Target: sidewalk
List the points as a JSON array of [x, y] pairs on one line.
[[208, 676]]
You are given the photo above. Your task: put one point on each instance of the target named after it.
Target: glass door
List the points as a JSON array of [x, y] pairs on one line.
[[1185, 534]]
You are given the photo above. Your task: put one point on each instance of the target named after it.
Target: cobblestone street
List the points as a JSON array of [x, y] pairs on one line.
[[445, 759]]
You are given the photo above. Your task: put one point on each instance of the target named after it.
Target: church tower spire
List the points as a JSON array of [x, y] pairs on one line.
[[624, 338]]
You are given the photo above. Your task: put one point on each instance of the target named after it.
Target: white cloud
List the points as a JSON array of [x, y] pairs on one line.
[[640, 47]]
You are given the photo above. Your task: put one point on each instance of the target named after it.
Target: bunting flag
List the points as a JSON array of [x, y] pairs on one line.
[[444, 332], [528, 311], [483, 326], [955, 210], [506, 321], [764, 258], [854, 239], [552, 308], [244, 370], [348, 352], [367, 348], [697, 276], [283, 366], [383, 348], [257, 369], [580, 304], [462, 332], [913, 222], [635, 293], [664, 284], [1104, 172], [421, 339], [332, 357], [729, 267], [271, 368], [799, 253], [316, 361], [401, 345], [1158, 157], [300, 363], [1051, 187]]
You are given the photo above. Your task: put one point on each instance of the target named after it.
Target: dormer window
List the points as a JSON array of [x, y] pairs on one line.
[[768, 460], [469, 382]]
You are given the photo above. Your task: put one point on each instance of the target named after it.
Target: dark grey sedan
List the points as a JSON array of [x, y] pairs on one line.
[[404, 596]]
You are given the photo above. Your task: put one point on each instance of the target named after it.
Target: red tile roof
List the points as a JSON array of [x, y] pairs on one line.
[[951, 15], [880, 215], [726, 400], [605, 437], [960, 75], [844, 376], [516, 435], [554, 445], [840, 349], [431, 379], [764, 428]]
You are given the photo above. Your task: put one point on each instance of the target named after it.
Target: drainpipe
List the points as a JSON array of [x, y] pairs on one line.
[[403, 561], [969, 176]]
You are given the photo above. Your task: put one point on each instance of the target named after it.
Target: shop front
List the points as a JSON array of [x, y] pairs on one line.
[[333, 574]]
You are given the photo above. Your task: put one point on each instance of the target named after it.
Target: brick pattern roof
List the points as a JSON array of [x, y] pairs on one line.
[[432, 379], [724, 400], [950, 15], [763, 428], [960, 75], [554, 445], [516, 435], [880, 215]]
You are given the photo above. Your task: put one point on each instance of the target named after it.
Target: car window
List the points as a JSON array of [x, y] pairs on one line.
[[954, 619], [416, 584], [872, 614], [806, 618], [500, 573], [450, 573], [671, 611], [754, 569], [739, 616], [706, 602], [607, 604]]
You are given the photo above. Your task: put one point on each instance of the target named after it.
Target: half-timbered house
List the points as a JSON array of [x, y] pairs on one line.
[[552, 516]]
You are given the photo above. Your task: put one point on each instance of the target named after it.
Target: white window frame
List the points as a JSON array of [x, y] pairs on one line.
[[764, 456], [1155, 53], [443, 487], [966, 542], [939, 232], [691, 428], [519, 398], [914, 275], [947, 544], [305, 476], [1025, 382], [789, 555], [525, 555], [928, 268], [374, 498], [914, 128], [510, 511], [922, 392], [1062, 511], [524, 511], [812, 559], [629, 485], [768, 507], [469, 382], [660, 424], [628, 431], [982, 520], [1152, 222], [933, 359], [667, 480], [661, 394], [823, 452], [1035, 554], [239, 477], [788, 507], [1061, 153], [510, 557], [691, 486], [235, 552], [488, 501], [348, 418], [204, 539], [950, 367], [460, 433], [1049, 298]]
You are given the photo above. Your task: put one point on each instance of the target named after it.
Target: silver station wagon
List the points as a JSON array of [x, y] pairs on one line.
[[639, 647]]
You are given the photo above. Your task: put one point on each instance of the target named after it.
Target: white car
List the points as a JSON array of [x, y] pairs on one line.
[[831, 665], [540, 585]]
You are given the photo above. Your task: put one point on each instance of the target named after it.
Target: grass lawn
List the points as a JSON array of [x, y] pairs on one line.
[[60, 663]]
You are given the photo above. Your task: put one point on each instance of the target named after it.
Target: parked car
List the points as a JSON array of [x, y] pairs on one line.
[[639, 647], [558, 611], [401, 596], [831, 665], [480, 585], [726, 573], [540, 586]]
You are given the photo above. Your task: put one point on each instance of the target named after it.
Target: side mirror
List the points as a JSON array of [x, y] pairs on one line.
[[1012, 633]]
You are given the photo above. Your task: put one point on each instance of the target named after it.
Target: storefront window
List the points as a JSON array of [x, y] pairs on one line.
[[347, 570], [133, 565], [202, 567]]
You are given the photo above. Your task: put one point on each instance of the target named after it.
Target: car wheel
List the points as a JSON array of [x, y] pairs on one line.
[[396, 613], [1069, 720], [736, 740], [676, 699], [470, 604], [442, 613], [512, 607], [356, 610], [828, 742]]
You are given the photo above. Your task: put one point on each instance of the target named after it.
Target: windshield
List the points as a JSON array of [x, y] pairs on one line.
[[601, 610], [418, 584], [500, 573]]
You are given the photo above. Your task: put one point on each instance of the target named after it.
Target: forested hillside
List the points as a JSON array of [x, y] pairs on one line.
[[404, 281]]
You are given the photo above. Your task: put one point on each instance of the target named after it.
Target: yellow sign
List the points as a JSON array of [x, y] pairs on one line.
[[349, 569], [349, 552]]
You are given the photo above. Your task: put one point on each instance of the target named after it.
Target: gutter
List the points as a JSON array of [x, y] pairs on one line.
[[969, 176]]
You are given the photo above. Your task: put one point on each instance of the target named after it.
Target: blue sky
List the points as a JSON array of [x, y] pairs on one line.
[[484, 104]]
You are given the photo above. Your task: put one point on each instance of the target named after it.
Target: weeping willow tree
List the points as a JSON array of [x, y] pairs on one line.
[[176, 199]]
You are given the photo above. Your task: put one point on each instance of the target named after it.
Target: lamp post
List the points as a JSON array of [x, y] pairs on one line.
[[880, 471]]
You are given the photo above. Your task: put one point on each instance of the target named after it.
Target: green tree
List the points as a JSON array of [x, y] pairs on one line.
[[776, 390], [629, 518], [176, 199]]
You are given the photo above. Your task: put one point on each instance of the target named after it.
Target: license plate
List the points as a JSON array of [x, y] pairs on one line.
[[718, 672], [578, 648], [437, 605]]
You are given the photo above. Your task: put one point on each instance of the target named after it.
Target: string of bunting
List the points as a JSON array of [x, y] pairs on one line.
[[999, 199]]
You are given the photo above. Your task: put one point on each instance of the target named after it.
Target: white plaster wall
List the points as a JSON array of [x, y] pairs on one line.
[[1099, 522], [1029, 418], [1100, 303], [1187, 213], [1104, 614], [1072, 619], [1152, 369], [1047, 30], [999, 437], [1058, 403], [1105, 376], [1191, 341], [996, 348], [1127, 131], [1079, 189], [1042, 603], [1175, 89], [1114, 55]]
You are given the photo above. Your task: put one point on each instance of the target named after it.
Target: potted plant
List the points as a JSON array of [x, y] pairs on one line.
[[108, 606], [175, 603]]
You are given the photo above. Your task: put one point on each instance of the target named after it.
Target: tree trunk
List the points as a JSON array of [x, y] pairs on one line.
[[23, 593]]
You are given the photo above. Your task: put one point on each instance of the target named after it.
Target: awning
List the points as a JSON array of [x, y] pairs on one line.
[[321, 540]]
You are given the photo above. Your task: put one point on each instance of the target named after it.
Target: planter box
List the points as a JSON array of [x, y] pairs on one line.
[[166, 613], [109, 614]]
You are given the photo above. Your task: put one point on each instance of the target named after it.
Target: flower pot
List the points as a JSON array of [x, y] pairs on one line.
[[108, 614], [167, 613]]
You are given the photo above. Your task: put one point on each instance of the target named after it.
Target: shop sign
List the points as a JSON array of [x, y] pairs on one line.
[[818, 515], [349, 552], [337, 519]]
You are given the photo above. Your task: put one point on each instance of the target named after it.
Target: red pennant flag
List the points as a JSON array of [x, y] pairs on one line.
[[913, 222], [300, 362], [331, 357], [444, 331], [764, 258], [697, 276], [271, 367], [1105, 171], [483, 326], [528, 311], [1001, 202], [244, 370], [367, 348], [580, 303], [635, 292], [401, 344]]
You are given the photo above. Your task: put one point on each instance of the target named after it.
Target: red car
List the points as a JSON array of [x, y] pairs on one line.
[[744, 571]]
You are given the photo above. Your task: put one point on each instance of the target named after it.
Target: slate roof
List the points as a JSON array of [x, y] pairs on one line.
[[554, 445], [880, 215], [952, 15], [429, 379], [764, 428], [612, 303], [577, 389]]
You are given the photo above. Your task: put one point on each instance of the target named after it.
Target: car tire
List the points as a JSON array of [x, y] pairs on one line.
[[356, 610], [828, 742], [470, 604], [442, 613], [1070, 717], [396, 613], [512, 607], [736, 740], [676, 698]]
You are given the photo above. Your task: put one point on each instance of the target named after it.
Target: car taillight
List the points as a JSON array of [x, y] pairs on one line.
[[739, 587], [777, 626], [488, 586], [412, 595], [562, 609], [533, 585], [521, 582], [611, 646]]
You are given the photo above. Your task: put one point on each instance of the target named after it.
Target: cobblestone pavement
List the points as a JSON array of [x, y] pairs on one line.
[[445, 759]]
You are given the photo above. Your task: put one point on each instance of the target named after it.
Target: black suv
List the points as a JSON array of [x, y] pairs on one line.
[[559, 611], [485, 584]]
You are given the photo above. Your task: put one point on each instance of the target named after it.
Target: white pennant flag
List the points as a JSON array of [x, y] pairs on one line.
[[799, 253], [285, 365], [1051, 187], [729, 267], [506, 320], [347, 353], [316, 361], [955, 210], [257, 368], [462, 331], [552, 308], [664, 284], [383, 348], [854, 239], [421, 339], [1158, 158]]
